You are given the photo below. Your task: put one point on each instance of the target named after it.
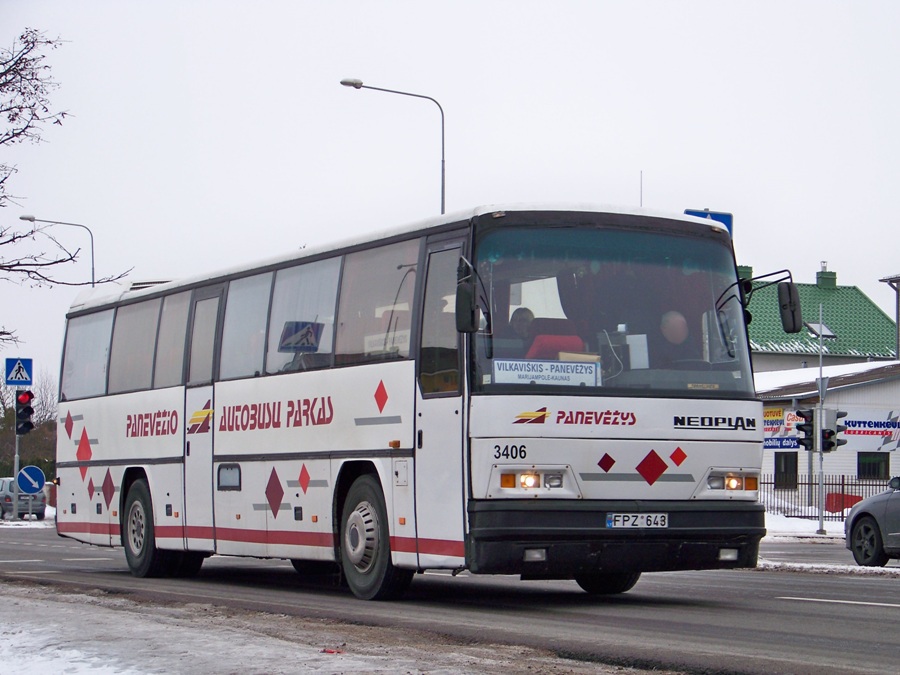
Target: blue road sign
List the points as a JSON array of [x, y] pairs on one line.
[[18, 372], [31, 480], [725, 218]]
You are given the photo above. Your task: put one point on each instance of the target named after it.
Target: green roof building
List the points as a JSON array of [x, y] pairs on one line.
[[855, 329]]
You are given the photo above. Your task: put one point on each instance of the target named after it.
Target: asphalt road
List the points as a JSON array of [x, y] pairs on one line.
[[813, 613]]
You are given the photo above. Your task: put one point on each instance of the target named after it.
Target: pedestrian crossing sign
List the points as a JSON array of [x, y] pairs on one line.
[[18, 372]]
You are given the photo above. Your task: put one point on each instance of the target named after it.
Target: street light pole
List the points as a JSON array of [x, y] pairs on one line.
[[358, 84], [32, 219]]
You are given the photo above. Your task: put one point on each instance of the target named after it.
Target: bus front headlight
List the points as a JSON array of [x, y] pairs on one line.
[[529, 480]]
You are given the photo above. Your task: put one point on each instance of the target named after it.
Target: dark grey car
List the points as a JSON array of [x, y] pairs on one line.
[[38, 502], [872, 528]]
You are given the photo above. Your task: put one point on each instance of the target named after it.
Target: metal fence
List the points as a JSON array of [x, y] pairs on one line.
[[798, 496]]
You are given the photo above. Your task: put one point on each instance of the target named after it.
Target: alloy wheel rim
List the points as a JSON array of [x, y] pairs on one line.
[[361, 537]]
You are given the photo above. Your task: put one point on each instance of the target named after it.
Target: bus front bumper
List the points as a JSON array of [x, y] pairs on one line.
[[554, 539]]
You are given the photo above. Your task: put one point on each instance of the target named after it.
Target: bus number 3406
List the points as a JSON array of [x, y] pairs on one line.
[[509, 452]]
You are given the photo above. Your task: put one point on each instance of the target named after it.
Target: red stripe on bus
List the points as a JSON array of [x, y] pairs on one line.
[[169, 532], [399, 544], [276, 537], [82, 527], [195, 532], [428, 546]]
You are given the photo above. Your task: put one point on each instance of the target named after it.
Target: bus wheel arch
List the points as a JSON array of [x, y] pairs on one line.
[[131, 475], [139, 531], [363, 539]]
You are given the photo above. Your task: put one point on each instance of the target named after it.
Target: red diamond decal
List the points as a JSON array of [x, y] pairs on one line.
[[274, 493], [606, 462], [69, 424], [304, 478], [90, 488], [109, 490], [652, 467], [84, 452], [678, 456], [381, 396]]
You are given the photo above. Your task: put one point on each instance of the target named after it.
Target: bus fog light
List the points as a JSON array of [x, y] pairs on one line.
[[553, 480], [530, 480], [535, 555], [728, 554]]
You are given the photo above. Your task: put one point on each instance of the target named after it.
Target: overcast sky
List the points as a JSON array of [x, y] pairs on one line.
[[209, 134]]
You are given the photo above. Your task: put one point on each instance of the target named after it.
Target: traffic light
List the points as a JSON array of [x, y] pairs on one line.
[[829, 443], [808, 428], [24, 411], [831, 429], [840, 428]]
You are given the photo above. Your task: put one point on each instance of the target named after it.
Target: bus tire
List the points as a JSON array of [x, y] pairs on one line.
[[608, 584], [138, 535], [365, 544]]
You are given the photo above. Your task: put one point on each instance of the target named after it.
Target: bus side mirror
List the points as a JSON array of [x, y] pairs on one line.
[[465, 298], [789, 306]]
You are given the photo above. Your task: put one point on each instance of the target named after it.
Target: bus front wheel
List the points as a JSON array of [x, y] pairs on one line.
[[365, 544], [139, 538], [608, 584]]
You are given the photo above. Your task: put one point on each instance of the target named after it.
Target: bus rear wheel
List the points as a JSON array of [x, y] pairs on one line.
[[138, 535], [365, 544], [608, 584]]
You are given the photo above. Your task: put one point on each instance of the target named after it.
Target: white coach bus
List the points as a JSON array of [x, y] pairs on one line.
[[557, 394]]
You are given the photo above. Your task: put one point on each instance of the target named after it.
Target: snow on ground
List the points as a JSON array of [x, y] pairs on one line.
[[782, 526], [76, 633]]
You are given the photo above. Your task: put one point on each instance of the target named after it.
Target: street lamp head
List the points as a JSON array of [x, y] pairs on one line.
[[28, 218], [352, 82]]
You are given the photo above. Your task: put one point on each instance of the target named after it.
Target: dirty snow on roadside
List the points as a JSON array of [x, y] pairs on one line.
[[61, 632]]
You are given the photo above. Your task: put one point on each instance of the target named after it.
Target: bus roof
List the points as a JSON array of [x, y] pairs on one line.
[[114, 292]]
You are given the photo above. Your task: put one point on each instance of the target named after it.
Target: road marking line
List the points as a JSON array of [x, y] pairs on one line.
[[85, 559], [34, 572], [843, 602], [23, 561]]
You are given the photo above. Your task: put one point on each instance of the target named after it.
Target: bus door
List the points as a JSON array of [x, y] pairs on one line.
[[439, 448], [199, 534]]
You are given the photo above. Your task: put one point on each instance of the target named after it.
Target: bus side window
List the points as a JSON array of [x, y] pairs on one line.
[[131, 356], [243, 335], [169, 368], [439, 361], [301, 321], [376, 298], [86, 356]]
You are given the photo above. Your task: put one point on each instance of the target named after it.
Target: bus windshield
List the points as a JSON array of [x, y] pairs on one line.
[[611, 311]]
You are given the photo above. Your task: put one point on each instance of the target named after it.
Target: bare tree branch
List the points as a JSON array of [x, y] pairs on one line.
[[25, 86], [29, 255]]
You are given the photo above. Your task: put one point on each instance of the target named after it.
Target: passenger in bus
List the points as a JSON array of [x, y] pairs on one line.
[[513, 339], [674, 327], [520, 321], [678, 344]]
